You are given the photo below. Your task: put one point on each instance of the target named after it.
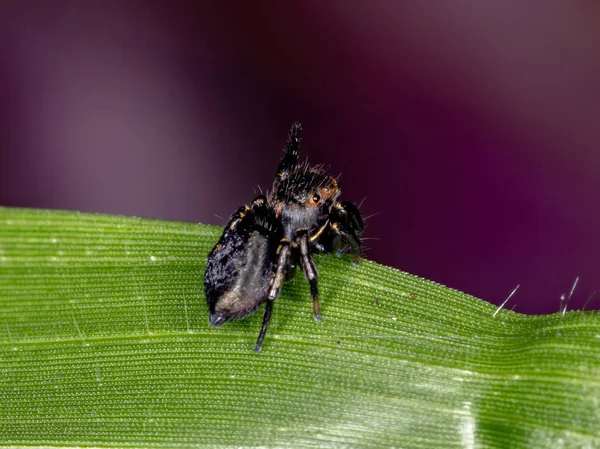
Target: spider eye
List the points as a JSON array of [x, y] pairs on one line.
[[316, 197]]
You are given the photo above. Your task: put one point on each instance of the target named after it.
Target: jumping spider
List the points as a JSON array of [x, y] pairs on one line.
[[263, 242]]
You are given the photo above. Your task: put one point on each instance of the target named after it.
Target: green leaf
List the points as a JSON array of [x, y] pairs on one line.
[[104, 342]]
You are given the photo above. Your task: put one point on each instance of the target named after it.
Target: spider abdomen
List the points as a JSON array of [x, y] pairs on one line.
[[237, 280]]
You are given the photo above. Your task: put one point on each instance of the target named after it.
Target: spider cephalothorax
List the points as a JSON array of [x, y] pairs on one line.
[[263, 242], [303, 199]]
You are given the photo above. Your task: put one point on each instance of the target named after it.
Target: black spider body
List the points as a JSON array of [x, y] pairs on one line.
[[238, 272], [262, 243]]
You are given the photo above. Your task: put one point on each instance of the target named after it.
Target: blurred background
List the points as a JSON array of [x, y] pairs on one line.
[[467, 129]]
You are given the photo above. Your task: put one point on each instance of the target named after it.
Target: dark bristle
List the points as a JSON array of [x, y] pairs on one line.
[[296, 131], [294, 138]]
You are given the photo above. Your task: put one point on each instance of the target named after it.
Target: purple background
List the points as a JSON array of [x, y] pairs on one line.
[[471, 128]]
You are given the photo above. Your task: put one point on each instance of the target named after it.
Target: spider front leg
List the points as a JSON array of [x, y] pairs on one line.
[[350, 238], [310, 270], [276, 283], [345, 226], [349, 216]]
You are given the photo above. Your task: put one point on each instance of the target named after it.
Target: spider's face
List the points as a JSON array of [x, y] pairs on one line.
[[303, 200]]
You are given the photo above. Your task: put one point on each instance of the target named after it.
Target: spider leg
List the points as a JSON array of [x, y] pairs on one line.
[[350, 237], [277, 281], [310, 271], [345, 226], [290, 158], [349, 215], [265, 326], [348, 223], [245, 216]]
